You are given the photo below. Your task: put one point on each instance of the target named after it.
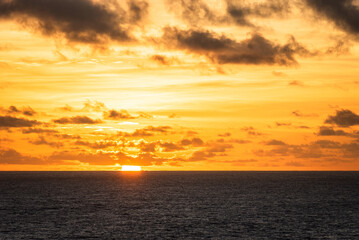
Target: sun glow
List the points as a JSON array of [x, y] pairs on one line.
[[127, 168]]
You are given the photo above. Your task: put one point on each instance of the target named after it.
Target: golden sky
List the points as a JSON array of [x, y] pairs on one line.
[[179, 84]]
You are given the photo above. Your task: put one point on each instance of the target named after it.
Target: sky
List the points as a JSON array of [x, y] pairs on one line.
[[179, 84]]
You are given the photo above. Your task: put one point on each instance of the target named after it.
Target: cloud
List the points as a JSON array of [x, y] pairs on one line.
[[138, 10], [194, 142], [83, 21], [66, 136], [279, 74], [163, 60], [27, 111], [148, 147], [280, 124], [298, 113], [351, 150], [11, 156], [212, 149], [242, 11], [327, 144], [146, 132], [343, 13], [275, 142], [222, 50], [143, 159], [115, 115], [194, 11], [296, 83], [320, 149], [38, 130], [329, 131], [197, 12], [77, 120], [8, 121], [343, 118], [98, 158], [93, 106], [299, 151], [66, 108], [42, 141], [251, 131], [97, 144], [170, 147], [226, 134], [137, 133]]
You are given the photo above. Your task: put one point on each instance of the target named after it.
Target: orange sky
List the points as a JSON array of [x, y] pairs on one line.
[[179, 85]]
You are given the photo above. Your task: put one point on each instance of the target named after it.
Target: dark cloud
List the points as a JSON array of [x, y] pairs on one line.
[[27, 111], [194, 11], [275, 142], [194, 142], [298, 113], [226, 134], [8, 121], [84, 21], [343, 13], [11, 156], [97, 144], [66, 136], [146, 132], [299, 151], [138, 10], [329, 131], [148, 147], [324, 149], [170, 147], [163, 60], [351, 150], [162, 129], [251, 131], [38, 130], [42, 141], [197, 12], [281, 124], [201, 155], [13, 109], [98, 158], [222, 50], [327, 144], [343, 118], [77, 120], [137, 133], [212, 150], [143, 159], [116, 115], [241, 11]]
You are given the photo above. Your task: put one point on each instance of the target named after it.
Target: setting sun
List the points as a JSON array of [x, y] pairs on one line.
[[127, 168]]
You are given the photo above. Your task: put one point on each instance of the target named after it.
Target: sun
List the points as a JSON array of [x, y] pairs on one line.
[[127, 168]]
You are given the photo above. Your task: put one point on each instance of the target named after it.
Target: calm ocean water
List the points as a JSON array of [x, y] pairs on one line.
[[179, 205]]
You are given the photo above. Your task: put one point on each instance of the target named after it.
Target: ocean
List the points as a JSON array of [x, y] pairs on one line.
[[179, 205]]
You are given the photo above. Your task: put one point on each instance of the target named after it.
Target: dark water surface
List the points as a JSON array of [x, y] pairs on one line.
[[180, 205]]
